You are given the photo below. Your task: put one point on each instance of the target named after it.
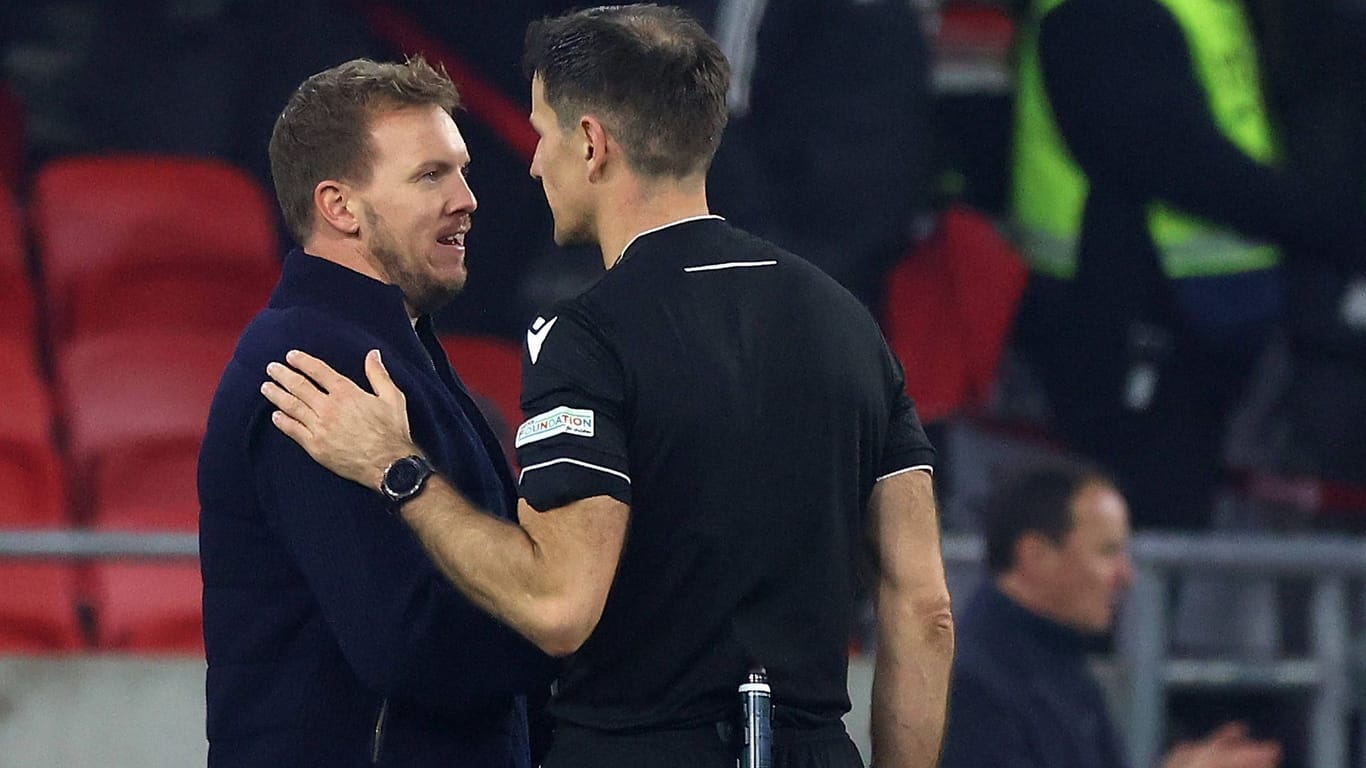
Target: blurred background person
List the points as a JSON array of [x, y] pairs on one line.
[[1156, 211], [1023, 695], [827, 155]]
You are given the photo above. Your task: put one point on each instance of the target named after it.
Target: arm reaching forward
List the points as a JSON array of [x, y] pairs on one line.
[[914, 624], [546, 576]]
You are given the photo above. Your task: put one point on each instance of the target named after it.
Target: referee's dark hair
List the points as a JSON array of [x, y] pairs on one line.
[[650, 73], [324, 131], [1035, 500]]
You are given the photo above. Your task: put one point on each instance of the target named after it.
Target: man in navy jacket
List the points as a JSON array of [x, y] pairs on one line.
[[1023, 695], [331, 638]]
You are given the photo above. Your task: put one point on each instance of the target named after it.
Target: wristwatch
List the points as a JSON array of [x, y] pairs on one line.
[[404, 478]]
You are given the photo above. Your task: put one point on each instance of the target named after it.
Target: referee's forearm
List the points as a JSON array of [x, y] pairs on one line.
[[491, 561], [910, 681], [546, 576], [914, 625]]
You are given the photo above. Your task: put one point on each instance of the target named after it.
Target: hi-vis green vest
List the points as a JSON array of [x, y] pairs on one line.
[[1049, 189]]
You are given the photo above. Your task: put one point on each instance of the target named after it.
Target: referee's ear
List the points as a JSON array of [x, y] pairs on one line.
[[598, 146]]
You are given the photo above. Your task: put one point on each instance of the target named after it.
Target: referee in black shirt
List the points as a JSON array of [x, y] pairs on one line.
[[714, 432]]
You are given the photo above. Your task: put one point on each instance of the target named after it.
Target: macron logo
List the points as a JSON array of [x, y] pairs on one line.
[[536, 336]]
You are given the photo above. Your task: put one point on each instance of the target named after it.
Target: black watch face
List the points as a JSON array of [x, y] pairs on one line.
[[402, 477]]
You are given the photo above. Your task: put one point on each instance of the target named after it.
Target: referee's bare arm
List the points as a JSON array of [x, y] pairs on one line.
[[914, 624], [546, 576]]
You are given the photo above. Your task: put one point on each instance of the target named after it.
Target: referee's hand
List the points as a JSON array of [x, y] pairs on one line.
[[343, 427]]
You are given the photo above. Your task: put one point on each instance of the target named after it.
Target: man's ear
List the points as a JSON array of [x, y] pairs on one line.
[[333, 202], [597, 145]]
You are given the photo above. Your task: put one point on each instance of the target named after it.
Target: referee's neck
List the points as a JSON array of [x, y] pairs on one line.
[[641, 207]]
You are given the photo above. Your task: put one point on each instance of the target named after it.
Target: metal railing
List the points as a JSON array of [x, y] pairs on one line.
[[1330, 563], [79, 544], [1143, 639]]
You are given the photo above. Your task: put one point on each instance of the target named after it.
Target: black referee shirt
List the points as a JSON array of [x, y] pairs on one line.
[[743, 404]]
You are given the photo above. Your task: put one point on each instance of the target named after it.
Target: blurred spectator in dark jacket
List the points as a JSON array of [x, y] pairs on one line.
[[1316, 53], [1023, 695], [827, 150], [1157, 208]]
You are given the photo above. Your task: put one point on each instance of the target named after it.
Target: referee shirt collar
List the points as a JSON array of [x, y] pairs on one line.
[[652, 230]]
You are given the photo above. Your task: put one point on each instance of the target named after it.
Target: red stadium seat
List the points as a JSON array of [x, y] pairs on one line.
[[975, 25], [146, 241], [12, 135], [38, 608], [149, 485], [32, 492], [491, 368], [16, 289], [148, 606], [179, 516], [135, 406], [923, 331], [950, 306]]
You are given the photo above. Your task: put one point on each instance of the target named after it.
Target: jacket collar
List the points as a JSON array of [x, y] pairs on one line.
[[1011, 618], [313, 281]]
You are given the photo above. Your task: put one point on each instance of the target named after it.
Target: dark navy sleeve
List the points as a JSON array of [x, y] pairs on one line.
[[980, 732], [401, 625], [907, 446], [572, 444]]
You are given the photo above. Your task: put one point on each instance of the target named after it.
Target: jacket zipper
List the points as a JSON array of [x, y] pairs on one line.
[[378, 743]]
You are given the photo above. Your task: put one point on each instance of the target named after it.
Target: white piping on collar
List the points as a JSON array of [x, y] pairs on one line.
[[639, 235]]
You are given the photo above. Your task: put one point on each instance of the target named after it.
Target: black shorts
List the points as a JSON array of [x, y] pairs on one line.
[[708, 746]]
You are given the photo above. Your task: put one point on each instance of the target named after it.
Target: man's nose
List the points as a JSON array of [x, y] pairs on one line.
[[462, 197]]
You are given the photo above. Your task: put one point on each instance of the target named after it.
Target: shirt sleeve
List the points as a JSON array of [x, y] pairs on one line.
[[401, 625], [907, 447], [573, 442]]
